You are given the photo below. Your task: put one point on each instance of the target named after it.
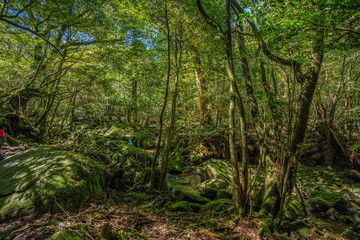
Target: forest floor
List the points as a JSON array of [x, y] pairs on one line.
[[137, 215], [131, 219]]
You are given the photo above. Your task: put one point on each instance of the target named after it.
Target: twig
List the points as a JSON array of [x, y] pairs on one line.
[[73, 219]]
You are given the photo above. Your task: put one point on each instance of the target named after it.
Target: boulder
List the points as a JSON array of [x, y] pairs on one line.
[[223, 193], [113, 132], [323, 199], [218, 205], [351, 195], [213, 183], [209, 193], [214, 168], [182, 206], [37, 180]]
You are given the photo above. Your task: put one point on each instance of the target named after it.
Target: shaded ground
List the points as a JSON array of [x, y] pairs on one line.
[[130, 220]]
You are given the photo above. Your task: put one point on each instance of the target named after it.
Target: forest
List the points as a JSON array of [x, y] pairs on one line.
[[179, 119]]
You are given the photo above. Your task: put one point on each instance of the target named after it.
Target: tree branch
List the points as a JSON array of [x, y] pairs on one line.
[[30, 31], [288, 62], [208, 20], [327, 26]]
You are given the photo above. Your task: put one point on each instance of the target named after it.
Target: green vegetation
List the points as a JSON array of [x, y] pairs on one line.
[[171, 119]]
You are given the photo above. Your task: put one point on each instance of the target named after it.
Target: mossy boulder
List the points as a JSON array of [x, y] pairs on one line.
[[223, 193], [182, 206], [195, 158], [67, 235], [218, 205], [30, 181], [196, 207], [190, 197], [351, 195], [114, 132], [216, 183], [214, 168], [209, 193], [323, 199]]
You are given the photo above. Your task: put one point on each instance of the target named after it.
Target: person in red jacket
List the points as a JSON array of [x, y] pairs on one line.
[[2, 138]]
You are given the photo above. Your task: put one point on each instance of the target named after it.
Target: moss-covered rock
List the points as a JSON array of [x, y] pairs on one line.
[[351, 195], [67, 235], [30, 181], [190, 197], [182, 206], [196, 207], [209, 193], [195, 158], [223, 193], [213, 183], [324, 199], [215, 169], [218, 205], [114, 132]]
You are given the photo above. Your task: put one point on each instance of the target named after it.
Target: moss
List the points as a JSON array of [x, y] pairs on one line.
[[190, 197], [213, 183], [215, 169], [106, 231], [270, 201], [265, 230], [67, 235], [209, 193], [218, 205], [32, 180], [182, 206], [324, 199], [196, 207], [176, 163], [294, 209], [223, 193]]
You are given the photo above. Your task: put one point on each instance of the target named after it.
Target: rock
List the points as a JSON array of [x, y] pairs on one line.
[[213, 183], [351, 195], [196, 207], [209, 193], [182, 206], [218, 205], [190, 197], [113, 132], [223, 193], [32, 180], [324, 199], [106, 231], [215, 169], [67, 235], [195, 158]]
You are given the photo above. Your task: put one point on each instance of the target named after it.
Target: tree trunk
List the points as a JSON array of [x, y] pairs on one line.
[[161, 120], [205, 115]]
